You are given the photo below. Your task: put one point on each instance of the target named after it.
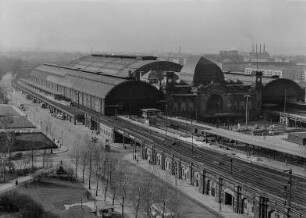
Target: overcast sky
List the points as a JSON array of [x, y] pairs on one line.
[[198, 26]]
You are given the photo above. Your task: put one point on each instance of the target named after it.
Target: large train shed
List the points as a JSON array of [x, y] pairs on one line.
[[124, 66], [101, 93], [277, 90]]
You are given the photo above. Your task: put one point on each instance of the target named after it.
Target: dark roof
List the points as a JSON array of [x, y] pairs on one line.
[[200, 71], [122, 65], [87, 82], [276, 90]]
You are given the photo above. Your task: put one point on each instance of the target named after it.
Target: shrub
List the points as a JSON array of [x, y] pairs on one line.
[[28, 208]]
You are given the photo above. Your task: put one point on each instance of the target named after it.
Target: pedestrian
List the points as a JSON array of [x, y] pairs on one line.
[[16, 182]]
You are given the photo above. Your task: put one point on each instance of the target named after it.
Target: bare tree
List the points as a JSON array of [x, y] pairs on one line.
[[84, 156], [109, 167], [8, 140], [91, 148], [122, 192], [149, 192], [175, 203], [98, 157], [77, 156], [137, 193]]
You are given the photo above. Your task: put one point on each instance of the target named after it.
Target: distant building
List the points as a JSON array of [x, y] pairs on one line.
[[259, 53], [292, 71], [233, 55]]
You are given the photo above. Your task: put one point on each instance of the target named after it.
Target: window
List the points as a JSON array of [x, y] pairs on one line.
[[97, 104]]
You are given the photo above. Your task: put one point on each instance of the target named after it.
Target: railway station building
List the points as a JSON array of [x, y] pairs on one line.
[[197, 89], [124, 84], [96, 85]]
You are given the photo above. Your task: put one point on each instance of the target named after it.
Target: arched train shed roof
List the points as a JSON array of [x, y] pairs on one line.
[[275, 91], [98, 85], [122, 65], [201, 71]]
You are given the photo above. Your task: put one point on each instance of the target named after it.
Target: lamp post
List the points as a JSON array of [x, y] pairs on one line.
[[246, 109]]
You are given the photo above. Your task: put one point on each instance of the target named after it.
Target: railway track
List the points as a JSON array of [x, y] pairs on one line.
[[264, 179]]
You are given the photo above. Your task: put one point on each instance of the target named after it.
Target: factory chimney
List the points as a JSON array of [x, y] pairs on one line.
[[264, 48], [259, 48]]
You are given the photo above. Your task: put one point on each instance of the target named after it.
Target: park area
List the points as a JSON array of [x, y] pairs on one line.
[[49, 197]]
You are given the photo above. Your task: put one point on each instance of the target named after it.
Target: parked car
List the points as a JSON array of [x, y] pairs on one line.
[[60, 116]]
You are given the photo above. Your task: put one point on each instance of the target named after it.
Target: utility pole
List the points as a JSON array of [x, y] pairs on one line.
[[246, 109]]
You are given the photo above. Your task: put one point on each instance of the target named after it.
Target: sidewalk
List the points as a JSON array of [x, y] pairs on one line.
[[11, 185], [207, 202]]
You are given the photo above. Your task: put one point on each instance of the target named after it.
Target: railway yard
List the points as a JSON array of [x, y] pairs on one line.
[[259, 178]]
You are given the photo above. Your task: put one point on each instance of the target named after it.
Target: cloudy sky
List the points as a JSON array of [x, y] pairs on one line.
[[198, 26]]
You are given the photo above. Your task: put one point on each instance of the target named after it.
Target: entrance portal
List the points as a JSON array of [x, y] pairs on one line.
[[228, 199]]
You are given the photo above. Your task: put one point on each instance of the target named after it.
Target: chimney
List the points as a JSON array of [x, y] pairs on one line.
[[264, 49], [259, 48], [252, 47], [256, 48]]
